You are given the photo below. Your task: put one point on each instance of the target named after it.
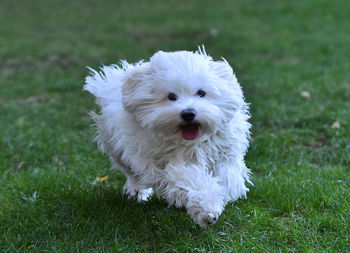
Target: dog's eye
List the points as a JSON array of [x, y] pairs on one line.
[[201, 93], [172, 97]]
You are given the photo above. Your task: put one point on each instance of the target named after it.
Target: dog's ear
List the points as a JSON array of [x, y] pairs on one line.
[[132, 83], [230, 84], [224, 71]]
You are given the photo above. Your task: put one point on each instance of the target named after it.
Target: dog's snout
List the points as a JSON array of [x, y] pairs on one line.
[[188, 115]]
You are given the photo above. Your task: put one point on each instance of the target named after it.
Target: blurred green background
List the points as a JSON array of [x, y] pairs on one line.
[[299, 154]]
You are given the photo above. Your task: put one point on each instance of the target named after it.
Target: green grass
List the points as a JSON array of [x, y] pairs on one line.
[[49, 199]]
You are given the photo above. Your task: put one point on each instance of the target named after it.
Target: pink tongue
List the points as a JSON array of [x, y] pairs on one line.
[[190, 132]]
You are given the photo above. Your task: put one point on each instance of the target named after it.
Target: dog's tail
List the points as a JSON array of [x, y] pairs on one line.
[[105, 84]]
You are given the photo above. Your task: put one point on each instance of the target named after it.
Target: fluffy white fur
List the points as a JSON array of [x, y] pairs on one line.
[[139, 128]]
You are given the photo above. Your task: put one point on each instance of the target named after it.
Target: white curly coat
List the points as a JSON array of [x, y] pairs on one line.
[[139, 128]]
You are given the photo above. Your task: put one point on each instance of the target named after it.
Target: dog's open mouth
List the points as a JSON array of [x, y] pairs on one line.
[[190, 131]]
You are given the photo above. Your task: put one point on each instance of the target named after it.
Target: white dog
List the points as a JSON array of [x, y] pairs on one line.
[[177, 126]]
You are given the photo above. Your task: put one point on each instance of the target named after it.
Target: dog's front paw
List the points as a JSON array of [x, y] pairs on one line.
[[204, 217], [208, 218], [133, 191], [144, 194]]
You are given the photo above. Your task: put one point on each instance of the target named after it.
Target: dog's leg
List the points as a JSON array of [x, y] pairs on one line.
[[234, 175], [196, 190], [132, 188]]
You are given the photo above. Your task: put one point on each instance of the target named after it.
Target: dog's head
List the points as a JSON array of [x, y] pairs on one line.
[[182, 93]]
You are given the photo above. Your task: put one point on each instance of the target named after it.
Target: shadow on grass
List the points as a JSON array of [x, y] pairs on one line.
[[96, 215]]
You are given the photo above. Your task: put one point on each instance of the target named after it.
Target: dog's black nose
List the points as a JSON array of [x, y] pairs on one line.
[[188, 115]]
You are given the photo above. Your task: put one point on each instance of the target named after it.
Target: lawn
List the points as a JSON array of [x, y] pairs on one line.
[[299, 154]]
